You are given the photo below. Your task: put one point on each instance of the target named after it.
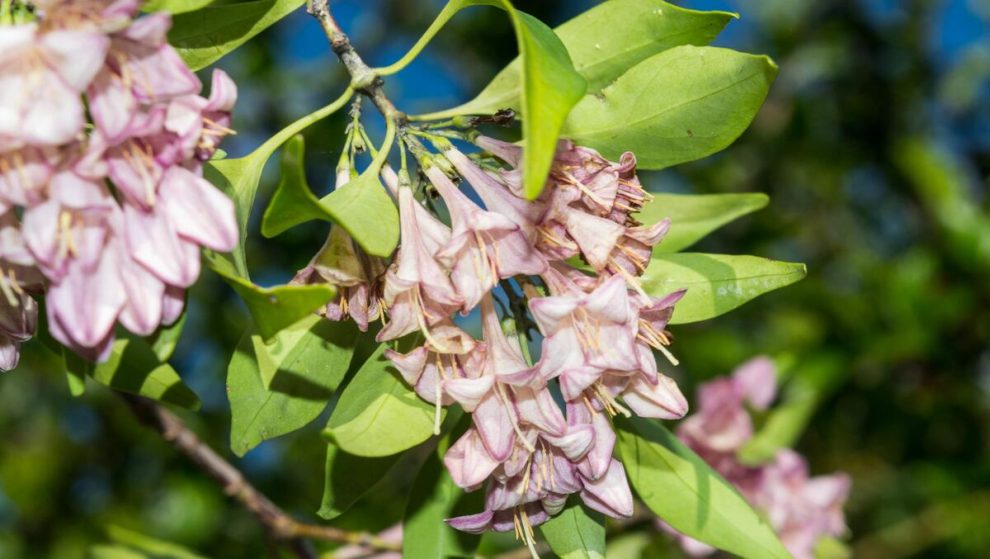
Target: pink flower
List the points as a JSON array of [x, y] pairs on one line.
[[202, 123], [484, 246], [141, 69], [801, 509], [587, 335], [418, 293], [18, 311], [41, 77]]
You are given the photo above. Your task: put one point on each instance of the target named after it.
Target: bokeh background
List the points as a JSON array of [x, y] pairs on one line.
[[874, 147]]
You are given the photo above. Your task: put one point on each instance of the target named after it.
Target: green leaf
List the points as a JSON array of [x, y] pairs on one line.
[[348, 478], [613, 36], [550, 88], [435, 498], [686, 493], [603, 43], [377, 414], [76, 369], [809, 385], [133, 367], [275, 308], [715, 283], [545, 87], [272, 308], [694, 216], [701, 100], [305, 365], [204, 36], [164, 340], [174, 6], [576, 533], [152, 546], [293, 202], [361, 207]]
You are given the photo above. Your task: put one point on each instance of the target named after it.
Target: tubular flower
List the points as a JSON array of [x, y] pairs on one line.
[[418, 291], [114, 214], [599, 331], [484, 245], [802, 509]]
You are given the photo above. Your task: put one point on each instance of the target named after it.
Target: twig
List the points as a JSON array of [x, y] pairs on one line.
[[363, 78], [281, 527]]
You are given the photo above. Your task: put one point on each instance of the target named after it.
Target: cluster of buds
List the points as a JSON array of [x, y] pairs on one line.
[[539, 431], [801, 509], [103, 207]]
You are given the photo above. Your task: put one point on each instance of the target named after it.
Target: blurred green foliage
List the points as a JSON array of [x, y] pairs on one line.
[[875, 150]]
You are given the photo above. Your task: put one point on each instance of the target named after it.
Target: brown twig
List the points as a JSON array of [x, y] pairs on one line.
[[280, 526], [363, 79]]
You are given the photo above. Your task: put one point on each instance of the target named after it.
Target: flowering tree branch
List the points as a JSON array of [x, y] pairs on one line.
[[279, 524]]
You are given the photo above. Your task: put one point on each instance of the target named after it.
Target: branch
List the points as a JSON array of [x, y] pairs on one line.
[[363, 78], [281, 527]]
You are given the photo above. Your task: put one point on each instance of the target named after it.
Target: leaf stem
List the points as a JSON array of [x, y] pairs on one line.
[[442, 18], [283, 135]]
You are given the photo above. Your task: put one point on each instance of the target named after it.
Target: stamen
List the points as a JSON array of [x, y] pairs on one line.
[[8, 292], [529, 537]]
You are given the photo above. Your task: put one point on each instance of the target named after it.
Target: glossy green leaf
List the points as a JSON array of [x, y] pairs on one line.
[[550, 88], [433, 499], [204, 36], [293, 202], [686, 493], [715, 283], [304, 370], [275, 308], [614, 36], [808, 385], [694, 216], [348, 478], [603, 43], [174, 6], [377, 414], [164, 340], [133, 367], [576, 533], [701, 99], [361, 207], [272, 308]]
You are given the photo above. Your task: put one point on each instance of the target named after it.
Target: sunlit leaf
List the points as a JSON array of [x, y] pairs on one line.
[[700, 100], [204, 36], [174, 6], [686, 493], [377, 414], [133, 367], [164, 340], [576, 533], [715, 283], [694, 216], [275, 308], [303, 370]]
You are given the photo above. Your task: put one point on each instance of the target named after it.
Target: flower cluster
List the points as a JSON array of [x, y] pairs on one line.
[[801, 509], [599, 328], [102, 140]]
